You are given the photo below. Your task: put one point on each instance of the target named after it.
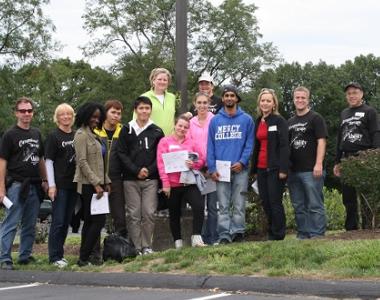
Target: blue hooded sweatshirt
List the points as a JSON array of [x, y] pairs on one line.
[[230, 138]]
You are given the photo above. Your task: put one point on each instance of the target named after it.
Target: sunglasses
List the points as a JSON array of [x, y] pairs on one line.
[[24, 111]]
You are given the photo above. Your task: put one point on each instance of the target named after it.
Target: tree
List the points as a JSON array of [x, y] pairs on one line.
[[25, 33], [223, 40]]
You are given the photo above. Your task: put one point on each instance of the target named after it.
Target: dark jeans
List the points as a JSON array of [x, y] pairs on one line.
[[92, 224], [117, 207], [191, 195], [210, 228], [63, 208], [350, 202], [271, 189]]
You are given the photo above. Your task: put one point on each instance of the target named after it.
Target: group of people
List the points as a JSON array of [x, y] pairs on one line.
[[224, 145]]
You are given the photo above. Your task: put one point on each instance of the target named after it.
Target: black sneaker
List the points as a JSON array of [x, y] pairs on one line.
[[83, 263], [96, 261], [6, 265], [27, 261], [224, 242], [238, 238]]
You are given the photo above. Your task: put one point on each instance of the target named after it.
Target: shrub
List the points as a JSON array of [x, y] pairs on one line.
[[363, 173]]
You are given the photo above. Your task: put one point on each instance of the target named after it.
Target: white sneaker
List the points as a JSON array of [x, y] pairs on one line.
[[60, 263], [147, 251], [178, 244], [196, 241]]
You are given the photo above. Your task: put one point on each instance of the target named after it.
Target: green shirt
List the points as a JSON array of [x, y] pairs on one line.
[[162, 114]]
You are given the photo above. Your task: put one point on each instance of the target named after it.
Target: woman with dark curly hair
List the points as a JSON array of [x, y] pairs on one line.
[[90, 174]]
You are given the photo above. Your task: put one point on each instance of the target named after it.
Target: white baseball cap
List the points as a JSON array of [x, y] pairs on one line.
[[206, 76]]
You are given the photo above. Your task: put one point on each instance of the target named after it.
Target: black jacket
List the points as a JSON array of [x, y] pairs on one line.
[[278, 144], [136, 152]]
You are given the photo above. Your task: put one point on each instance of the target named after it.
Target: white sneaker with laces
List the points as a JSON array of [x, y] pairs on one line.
[[147, 251], [196, 241], [178, 244], [60, 263]]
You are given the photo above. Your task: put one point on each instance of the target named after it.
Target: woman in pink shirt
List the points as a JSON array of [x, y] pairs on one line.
[[199, 132], [176, 191]]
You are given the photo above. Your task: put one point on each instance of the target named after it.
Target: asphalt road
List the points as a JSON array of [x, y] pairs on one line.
[[12, 291]]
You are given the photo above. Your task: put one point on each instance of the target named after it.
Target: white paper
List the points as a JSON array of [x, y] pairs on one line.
[[100, 206], [175, 161], [210, 187], [255, 187], [7, 203], [223, 167]]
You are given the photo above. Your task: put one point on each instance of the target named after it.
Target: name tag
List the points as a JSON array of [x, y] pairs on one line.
[[359, 114], [173, 147], [272, 128]]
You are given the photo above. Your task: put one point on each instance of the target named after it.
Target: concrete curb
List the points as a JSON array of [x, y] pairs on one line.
[[339, 289]]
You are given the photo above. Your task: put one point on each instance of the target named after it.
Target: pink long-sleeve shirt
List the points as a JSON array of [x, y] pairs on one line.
[[199, 133], [170, 144]]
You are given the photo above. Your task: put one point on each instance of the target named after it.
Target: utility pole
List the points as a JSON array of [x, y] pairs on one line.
[[181, 52]]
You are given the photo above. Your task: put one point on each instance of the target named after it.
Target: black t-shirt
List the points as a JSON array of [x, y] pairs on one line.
[[22, 149], [359, 130], [59, 148], [215, 105], [304, 131]]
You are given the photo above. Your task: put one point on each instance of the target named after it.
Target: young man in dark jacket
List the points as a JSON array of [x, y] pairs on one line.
[[359, 130], [137, 147]]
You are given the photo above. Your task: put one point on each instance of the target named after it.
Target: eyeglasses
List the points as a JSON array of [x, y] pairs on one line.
[[24, 111], [267, 90]]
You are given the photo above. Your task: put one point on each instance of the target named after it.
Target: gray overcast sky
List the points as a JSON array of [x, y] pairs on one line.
[[303, 30]]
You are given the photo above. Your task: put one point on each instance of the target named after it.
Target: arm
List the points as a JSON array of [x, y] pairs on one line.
[[162, 148], [122, 152], [321, 151], [3, 171], [153, 166], [284, 147], [211, 159], [248, 146], [374, 129], [42, 168]]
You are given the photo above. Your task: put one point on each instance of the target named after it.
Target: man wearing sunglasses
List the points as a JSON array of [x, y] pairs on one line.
[[22, 177]]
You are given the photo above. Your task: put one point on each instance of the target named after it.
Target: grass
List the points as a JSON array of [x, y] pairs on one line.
[[326, 259]]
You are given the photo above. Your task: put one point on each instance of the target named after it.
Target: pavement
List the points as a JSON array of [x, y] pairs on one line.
[[285, 286]]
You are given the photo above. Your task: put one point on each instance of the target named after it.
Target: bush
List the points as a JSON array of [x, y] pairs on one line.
[[363, 173]]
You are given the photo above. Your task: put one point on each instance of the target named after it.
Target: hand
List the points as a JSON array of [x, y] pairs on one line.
[[189, 164], [108, 188], [52, 193], [237, 167], [45, 186], [166, 191], [215, 176], [2, 194], [144, 173], [318, 170], [99, 191], [337, 170], [282, 175]]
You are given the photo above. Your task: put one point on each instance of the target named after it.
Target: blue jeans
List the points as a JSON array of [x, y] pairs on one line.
[[63, 208], [25, 211], [210, 227], [231, 219], [306, 193]]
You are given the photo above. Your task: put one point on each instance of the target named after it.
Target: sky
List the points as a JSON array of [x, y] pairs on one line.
[[302, 30]]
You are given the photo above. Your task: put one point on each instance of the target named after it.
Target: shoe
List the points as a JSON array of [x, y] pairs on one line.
[[60, 263], [147, 251], [196, 241], [65, 260], [96, 261], [178, 244], [83, 263], [238, 238], [6, 265], [224, 242], [27, 261]]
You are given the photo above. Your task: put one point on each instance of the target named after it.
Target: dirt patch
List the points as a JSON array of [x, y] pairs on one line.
[[365, 234], [43, 249]]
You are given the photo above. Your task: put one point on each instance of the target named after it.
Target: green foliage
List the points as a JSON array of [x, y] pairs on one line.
[[25, 33], [362, 172]]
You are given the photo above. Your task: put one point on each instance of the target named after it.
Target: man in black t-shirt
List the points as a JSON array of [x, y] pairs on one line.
[[22, 164], [307, 137], [206, 85], [359, 130]]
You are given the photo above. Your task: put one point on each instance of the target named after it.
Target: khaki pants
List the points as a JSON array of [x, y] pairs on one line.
[[141, 203]]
